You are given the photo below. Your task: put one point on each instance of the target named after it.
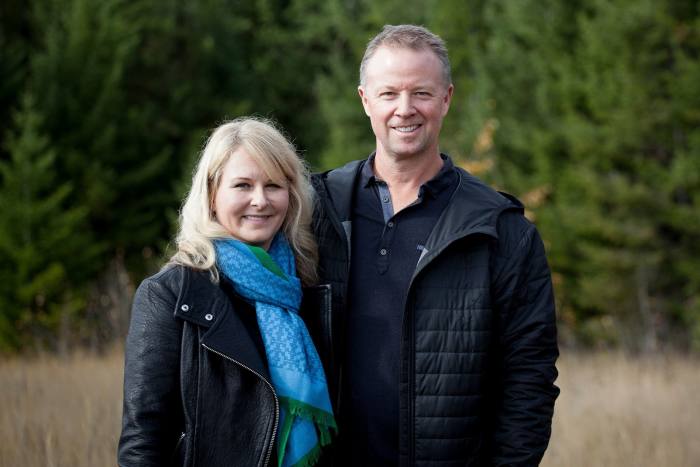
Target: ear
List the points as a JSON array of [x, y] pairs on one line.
[[447, 99], [363, 98], [212, 208]]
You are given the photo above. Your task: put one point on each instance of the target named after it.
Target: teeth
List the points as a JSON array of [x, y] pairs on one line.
[[406, 129]]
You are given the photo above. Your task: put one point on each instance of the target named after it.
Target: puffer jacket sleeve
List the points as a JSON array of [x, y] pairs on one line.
[[523, 299], [150, 427]]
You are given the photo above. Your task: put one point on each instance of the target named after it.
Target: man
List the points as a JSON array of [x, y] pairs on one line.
[[442, 342]]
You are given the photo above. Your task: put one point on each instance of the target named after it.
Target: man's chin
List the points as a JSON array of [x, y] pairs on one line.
[[406, 151]]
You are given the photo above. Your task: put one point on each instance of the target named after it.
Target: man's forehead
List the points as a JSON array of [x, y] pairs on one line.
[[390, 66]]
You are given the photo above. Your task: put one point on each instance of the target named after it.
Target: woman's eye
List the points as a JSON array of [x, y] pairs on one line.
[[273, 186], [242, 185]]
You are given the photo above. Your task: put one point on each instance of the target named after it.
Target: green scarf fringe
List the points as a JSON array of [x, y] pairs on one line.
[[323, 421], [319, 416]]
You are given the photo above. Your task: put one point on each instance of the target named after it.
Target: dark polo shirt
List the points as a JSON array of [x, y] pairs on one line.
[[384, 252]]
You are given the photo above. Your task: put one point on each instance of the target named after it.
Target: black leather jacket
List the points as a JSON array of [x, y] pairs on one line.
[[197, 390]]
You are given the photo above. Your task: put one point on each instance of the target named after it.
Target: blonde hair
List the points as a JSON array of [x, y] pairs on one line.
[[279, 160]]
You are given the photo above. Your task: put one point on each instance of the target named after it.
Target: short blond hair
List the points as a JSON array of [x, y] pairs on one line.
[[276, 155], [408, 36]]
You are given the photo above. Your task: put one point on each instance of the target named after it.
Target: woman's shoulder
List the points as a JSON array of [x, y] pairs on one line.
[[170, 280], [160, 288], [173, 275], [175, 280], [170, 276]]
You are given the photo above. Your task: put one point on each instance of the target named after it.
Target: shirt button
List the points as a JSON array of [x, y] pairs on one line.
[[382, 252], [209, 317], [185, 307], [390, 224], [385, 199]]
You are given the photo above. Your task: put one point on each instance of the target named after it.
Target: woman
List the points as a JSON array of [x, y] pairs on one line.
[[220, 369]]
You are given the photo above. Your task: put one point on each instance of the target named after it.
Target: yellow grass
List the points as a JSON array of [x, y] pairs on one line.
[[60, 412], [613, 411]]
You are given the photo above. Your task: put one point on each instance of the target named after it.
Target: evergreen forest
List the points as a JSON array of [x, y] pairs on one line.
[[586, 110]]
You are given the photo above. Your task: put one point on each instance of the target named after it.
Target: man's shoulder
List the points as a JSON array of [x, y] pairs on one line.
[[344, 172], [334, 188], [476, 189], [483, 205]]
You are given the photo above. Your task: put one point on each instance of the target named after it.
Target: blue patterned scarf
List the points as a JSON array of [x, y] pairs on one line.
[[269, 279]]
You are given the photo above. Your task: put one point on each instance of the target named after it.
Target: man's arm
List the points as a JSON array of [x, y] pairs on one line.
[[524, 302]]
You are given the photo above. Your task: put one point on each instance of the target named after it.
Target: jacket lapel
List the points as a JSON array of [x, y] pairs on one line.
[[474, 209], [206, 304], [337, 187]]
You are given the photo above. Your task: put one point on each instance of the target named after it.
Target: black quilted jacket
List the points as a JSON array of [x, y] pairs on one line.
[[197, 389], [479, 338]]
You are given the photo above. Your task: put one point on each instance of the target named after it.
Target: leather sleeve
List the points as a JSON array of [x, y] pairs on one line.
[[150, 421], [527, 345]]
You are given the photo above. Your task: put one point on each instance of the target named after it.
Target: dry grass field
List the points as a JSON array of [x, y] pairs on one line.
[[613, 411], [56, 413]]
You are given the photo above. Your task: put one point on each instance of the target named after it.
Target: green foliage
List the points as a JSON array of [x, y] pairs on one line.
[[587, 110], [45, 249], [584, 98]]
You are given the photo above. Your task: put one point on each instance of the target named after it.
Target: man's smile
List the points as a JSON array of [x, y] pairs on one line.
[[406, 129]]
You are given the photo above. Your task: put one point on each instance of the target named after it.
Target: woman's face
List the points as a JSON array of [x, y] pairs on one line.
[[247, 203]]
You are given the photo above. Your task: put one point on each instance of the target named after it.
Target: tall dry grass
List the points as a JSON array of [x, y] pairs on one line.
[[60, 412], [613, 411], [616, 411]]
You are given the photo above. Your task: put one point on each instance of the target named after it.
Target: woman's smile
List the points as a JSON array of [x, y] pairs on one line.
[[248, 203]]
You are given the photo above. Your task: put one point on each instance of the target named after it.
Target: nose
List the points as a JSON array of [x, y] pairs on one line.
[[404, 107], [259, 197]]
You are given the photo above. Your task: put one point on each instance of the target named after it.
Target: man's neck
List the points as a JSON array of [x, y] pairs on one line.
[[405, 176]]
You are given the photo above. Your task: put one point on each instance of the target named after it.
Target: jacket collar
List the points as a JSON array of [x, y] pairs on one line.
[[339, 186], [207, 305], [473, 209], [335, 189]]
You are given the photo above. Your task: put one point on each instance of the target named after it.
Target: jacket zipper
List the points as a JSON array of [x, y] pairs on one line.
[[408, 315], [274, 394]]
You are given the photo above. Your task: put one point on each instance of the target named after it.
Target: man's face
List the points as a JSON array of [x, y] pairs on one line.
[[406, 97]]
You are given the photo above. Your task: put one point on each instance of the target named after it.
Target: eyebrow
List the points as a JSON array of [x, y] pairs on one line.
[[248, 179], [389, 87]]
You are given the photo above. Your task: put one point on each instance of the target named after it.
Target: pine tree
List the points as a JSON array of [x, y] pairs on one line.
[[581, 95], [45, 249]]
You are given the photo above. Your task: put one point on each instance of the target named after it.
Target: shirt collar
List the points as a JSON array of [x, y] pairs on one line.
[[367, 177], [433, 187]]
